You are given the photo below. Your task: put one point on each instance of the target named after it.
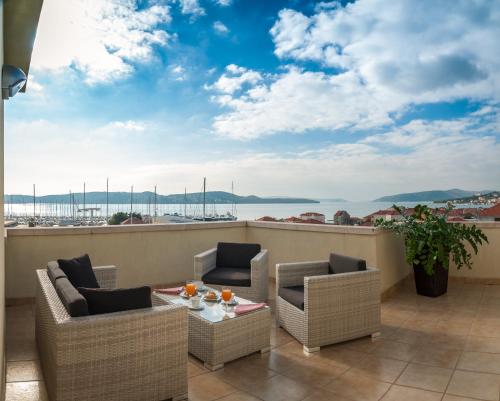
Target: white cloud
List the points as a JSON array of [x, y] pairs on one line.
[[128, 125], [192, 7], [100, 38], [233, 80], [224, 3], [379, 58], [362, 169], [296, 101], [179, 72], [354, 171], [220, 28]]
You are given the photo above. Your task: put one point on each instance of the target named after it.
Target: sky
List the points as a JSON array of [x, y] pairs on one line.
[[351, 100]]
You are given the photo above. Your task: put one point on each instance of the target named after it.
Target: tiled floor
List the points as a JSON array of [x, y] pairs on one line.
[[430, 349]]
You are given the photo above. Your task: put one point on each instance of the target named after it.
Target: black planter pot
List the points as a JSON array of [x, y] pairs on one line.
[[431, 286]]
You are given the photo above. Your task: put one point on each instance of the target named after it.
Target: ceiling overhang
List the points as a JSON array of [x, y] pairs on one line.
[[20, 22]]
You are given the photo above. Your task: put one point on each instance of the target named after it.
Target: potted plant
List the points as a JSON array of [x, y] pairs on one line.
[[431, 243]]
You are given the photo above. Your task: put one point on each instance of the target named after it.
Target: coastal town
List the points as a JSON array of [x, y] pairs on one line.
[[342, 217]]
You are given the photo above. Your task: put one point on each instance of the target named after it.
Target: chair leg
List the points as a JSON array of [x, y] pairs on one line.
[[375, 335], [308, 350], [213, 367], [265, 350]]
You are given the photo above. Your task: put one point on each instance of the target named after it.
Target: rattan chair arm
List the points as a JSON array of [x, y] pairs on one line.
[[204, 262], [290, 274], [106, 276]]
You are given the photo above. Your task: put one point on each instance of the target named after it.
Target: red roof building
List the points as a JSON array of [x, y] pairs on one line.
[[490, 214], [313, 216], [132, 220], [266, 218]]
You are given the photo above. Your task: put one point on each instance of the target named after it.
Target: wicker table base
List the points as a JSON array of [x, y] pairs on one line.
[[230, 338]]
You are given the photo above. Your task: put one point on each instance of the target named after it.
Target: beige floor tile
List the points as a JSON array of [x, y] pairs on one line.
[[449, 397], [22, 371], [324, 395], [281, 388], [18, 329], [483, 344], [239, 396], [364, 344], [245, 373], [26, 391], [486, 328], [195, 369], [341, 357], [480, 362], [406, 335], [399, 393], [313, 371], [19, 312], [443, 358], [484, 386], [425, 377], [208, 387], [293, 349], [396, 350], [358, 388], [21, 350], [280, 337], [277, 361], [379, 368]]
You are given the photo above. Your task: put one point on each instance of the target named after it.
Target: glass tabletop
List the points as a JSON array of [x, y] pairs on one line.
[[213, 312]]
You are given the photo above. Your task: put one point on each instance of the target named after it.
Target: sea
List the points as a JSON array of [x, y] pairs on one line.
[[241, 211]]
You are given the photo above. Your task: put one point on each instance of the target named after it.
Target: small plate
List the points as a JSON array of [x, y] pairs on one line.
[[232, 302], [213, 300], [186, 296], [202, 289], [201, 307]]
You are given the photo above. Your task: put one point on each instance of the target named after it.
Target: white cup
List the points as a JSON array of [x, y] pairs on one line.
[[195, 301]]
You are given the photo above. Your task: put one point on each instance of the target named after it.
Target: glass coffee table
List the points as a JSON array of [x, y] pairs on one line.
[[217, 336]]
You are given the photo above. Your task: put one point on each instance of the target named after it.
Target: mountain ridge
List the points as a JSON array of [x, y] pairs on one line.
[[146, 197], [429, 196]]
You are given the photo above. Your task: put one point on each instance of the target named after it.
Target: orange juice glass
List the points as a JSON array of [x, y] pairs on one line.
[[190, 289], [226, 294]]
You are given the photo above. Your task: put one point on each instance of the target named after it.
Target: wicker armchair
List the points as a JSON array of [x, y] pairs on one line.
[[259, 274], [336, 307], [134, 355]]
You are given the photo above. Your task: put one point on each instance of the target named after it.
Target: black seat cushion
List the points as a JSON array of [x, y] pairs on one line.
[[73, 301], [103, 300], [230, 276], [54, 272], [345, 264], [230, 254], [293, 295], [79, 271]]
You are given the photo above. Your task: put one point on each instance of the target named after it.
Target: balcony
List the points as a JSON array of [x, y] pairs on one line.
[[430, 349]]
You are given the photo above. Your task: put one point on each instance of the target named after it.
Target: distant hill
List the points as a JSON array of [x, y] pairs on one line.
[[148, 197], [485, 197], [332, 200], [429, 196]]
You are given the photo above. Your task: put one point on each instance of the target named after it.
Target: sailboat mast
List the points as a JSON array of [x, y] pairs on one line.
[[34, 201], [204, 195], [156, 204], [84, 201], [131, 201], [107, 199], [185, 200], [232, 193]]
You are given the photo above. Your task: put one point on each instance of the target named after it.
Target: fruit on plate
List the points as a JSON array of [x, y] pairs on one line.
[[212, 296]]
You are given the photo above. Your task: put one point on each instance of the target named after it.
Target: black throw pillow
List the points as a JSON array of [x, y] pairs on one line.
[[345, 264], [79, 271], [102, 300]]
